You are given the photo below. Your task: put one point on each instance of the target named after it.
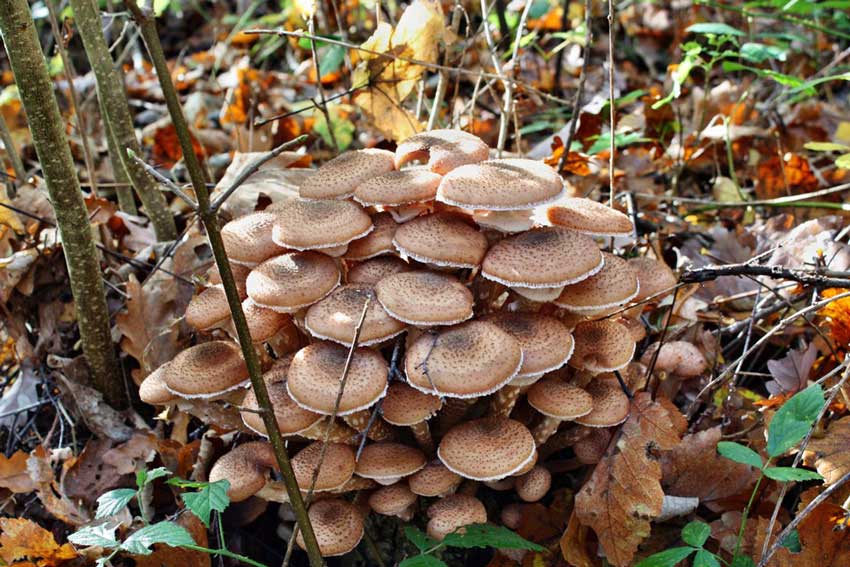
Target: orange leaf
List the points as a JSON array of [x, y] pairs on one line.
[[576, 163], [22, 539], [837, 314], [14, 475], [829, 454], [823, 545], [574, 544]]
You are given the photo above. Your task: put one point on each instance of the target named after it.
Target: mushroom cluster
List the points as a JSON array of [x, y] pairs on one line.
[[469, 283]]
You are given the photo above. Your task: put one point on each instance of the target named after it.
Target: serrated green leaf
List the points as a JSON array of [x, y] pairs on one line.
[[794, 419], [418, 538], [143, 476], [696, 533], [486, 535], [843, 161], [666, 558], [705, 558], [422, 561], [211, 496], [739, 453], [787, 474], [792, 542], [169, 533], [715, 28], [102, 535], [826, 147], [114, 501]]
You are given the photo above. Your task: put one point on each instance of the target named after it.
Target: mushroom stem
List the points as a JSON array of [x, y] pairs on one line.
[[422, 434], [504, 400], [545, 429]]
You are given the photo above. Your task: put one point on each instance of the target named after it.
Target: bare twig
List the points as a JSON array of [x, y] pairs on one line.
[[443, 78], [323, 101], [171, 185], [588, 39], [612, 111], [816, 278], [508, 102]]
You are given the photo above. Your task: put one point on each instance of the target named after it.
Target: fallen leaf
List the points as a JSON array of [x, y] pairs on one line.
[[822, 544], [14, 474], [132, 456], [277, 179], [100, 417], [837, 314], [23, 539], [829, 454], [574, 544]]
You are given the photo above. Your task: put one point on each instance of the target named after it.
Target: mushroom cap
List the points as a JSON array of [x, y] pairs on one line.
[[314, 225], [153, 391], [314, 377], [385, 460], [444, 149], [263, 323], [559, 400], [489, 448], [338, 526], [292, 281], [291, 418], [206, 370], [441, 239], [406, 406], [208, 309], [602, 346], [339, 177], [501, 185], [451, 513], [392, 500], [435, 479], [248, 240], [614, 285], [590, 449], [533, 485], [335, 317], [337, 466], [398, 188], [425, 298], [590, 217], [240, 276], [543, 257], [511, 515], [246, 467], [546, 343], [377, 242], [654, 277], [466, 361], [374, 270], [680, 358], [610, 405]]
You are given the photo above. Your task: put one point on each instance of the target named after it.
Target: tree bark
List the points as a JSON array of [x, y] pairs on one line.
[[57, 163], [116, 113]]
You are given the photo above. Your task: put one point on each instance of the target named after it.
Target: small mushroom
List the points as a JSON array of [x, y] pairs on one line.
[[336, 317], [534, 485], [318, 225], [452, 513], [338, 526], [153, 390], [487, 449], [614, 286], [610, 405], [208, 309], [372, 271], [291, 281], [377, 242], [602, 346], [589, 217], [441, 239], [442, 150], [435, 479], [337, 466], [397, 188], [425, 298], [557, 401], [246, 467], [387, 462], [248, 239], [206, 371], [394, 500], [339, 177], [405, 406]]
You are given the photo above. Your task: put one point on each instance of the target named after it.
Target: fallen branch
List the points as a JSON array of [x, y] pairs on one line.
[[814, 278]]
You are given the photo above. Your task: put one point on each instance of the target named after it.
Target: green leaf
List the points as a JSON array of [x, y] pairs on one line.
[[143, 476], [422, 561], [739, 453], [212, 496], [486, 535], [759, 52], [781, 78], [603, 142], [786, 474], [843, 161], [792, 542], [714, 28], [794, 419], [705, 558], [102, 535], [169, 533], [343, 128], [826, 147], [114, 501], [696, 533], [742, 561], [418, 538], [666, 558], [689, 62]]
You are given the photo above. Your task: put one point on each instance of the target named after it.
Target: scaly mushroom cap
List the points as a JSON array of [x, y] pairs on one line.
[[441, 239], [398, 188], [559, 400], [435, 479], [206, 370], [246, 467], [602, 346], [543, 257], [377, 242], [392, 500], [337, 467], [338, 526], [240, 276], [263, 323], [533, 485], [315, 225], [292, 281], [654, 277], [335, 317], [451, 513], [406, 406], [615, 285], [291, 418], [153, 391], [467, 361], [386, 462], [425, 298], [487, 449], [680, 358], [546, 343], [444, 149], [590, 217], [590, 449], [208, 309], [374, 270], [314, 377], [339, 177], [248, 240], [610, 405], [501, 185]]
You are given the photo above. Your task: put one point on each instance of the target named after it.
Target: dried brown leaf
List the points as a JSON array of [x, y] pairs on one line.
[[23, 539], [829, 454], [131, 323]]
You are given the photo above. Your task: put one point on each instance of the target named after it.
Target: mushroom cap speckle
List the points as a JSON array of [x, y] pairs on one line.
[[263, 323], [466, 361], [337, 466], [614, 285], [392, 500], [407, 406], [292, 281], [315, 225], [543, 257], [240, 276], [559, 400], [546, 343], [339, 177], [153, 391], [425, 298], [442, 239], [313, 379], [435, 479], [590, 217], [451, 513], [206, 370], [246, 467], [489, 448], [291, 418], [377, 242], [338, 526], [444, 149], [680, 358], [610, 405], [208, 309], [374, 270], [533, 485], [335, 317], [501, 185], [387, 460], [248, 240], [654, 276], [602, 346], [398, 188]]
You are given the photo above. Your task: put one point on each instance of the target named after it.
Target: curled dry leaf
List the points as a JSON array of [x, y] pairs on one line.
[[829, 454], [277, 179], [24, 540], [132, 323]]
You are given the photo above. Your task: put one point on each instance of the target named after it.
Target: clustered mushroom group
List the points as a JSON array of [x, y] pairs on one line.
[[467, 282]]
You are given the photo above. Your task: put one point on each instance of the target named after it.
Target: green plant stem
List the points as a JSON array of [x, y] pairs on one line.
[[57, 163], [749, 506], [225, 553], [147, 26]]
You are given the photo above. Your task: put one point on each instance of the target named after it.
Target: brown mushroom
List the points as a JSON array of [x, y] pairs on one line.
[[557, 401], [246, 467], [208, 370], [425, 298], [339, 177], [318, 225], [435, 479], [405, 406], [336, 317], [602, 346], [387, 462], [450, 514], [508, 184], [338, 526], [443, 150], [487, 449], [394, 500], [590, 217], [337, 466], [534, 485], [248, 240], [292, 281], [441, 239]]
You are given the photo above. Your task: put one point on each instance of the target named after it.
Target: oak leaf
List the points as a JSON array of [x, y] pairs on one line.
[[829, 454], [23, 539], [131, 323]]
